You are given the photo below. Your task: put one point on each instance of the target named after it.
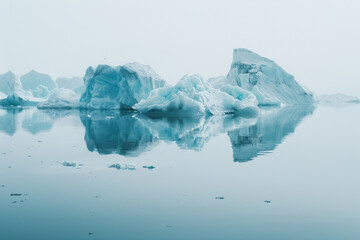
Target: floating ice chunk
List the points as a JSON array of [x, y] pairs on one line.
[[69, 164], [9, 83], [265, 79], [150, 167], [32, 80], [338, 98], [61, 99], [118, 87], [122, 166], [192, 96]]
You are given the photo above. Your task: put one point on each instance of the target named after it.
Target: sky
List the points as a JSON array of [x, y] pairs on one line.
[[316, 41]]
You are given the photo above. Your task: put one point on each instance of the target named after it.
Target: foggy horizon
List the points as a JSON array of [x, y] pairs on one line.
[[316, 41]]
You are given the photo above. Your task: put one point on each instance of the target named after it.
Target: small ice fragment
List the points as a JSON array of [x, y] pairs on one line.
[[131, 167], [14, 202], [3, 185], [219, 198], [69, 164], [15, 194], [149, 167], [168, 226], [115, 165], [122, 166], [3, 153], [267, 201], [9, 167], [90, 233]]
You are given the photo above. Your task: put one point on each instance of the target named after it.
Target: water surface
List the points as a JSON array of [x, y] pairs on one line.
[[291, 173]]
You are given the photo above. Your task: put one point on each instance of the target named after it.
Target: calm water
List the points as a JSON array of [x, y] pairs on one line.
[[292, 173]]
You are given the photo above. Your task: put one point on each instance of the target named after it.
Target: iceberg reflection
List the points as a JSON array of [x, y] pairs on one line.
[[131, 134], [268, 132], [109, 132]]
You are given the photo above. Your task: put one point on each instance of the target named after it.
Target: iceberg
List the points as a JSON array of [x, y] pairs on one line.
[[193, 96], [2, 95], [60, 99], [338, 98], [118, 87], [9, 83], [271, 85], [20, 97], [39, 84]]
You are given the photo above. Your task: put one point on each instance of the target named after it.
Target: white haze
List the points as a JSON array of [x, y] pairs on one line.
[[317, 41]]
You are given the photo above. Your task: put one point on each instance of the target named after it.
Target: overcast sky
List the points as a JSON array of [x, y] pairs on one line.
[[316, 41]]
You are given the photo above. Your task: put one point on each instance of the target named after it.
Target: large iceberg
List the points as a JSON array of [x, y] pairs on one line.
[[193, 96], [265, 79], [9, 83], [118, 87], [39, 84], [61, 99]]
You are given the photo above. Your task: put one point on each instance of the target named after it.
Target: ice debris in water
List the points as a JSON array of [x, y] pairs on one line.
[[118, 87], [149, 167], [193, 96], [69, 164], [15, 194], [122, 166], [61, 99], [220, 198], [264, 78], [267, 201]]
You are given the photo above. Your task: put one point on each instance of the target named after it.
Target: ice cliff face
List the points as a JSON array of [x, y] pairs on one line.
[[192, 96], [118, 87], [265, 79]]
